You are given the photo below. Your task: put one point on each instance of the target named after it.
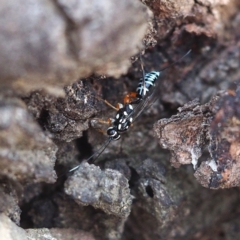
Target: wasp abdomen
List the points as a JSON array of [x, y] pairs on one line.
[[149, 81]]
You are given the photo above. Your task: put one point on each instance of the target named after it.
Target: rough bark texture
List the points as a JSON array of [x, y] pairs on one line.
[[55, 42], [60, 60]]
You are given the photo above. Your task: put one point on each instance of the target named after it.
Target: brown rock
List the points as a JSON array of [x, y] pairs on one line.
[[10, 231], [26, 153], [224, 146], [55, 43], [107, 190], [184, 134], [59, 234]]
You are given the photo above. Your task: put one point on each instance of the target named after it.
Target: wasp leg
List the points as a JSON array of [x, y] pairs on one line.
[[100, 130], [108, 121], [100, 125], [97, 123], [110, 105]]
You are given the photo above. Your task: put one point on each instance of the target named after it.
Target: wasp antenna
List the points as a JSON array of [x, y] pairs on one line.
[[75, 168], [101, 149], [176, 61], [98, 153], [143, 73], [142, 66]]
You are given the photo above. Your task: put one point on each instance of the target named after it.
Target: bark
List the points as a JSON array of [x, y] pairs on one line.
[[60, 60]]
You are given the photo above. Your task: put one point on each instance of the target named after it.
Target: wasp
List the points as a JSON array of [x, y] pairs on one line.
[[133, 105]]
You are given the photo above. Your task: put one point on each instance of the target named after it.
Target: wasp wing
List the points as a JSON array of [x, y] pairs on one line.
[[153, 94]]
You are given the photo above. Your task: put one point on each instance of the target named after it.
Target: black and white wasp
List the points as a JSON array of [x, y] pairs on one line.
[[134, 104], [121, 122]]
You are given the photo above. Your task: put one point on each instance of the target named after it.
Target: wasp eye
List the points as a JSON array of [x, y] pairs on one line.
[[111, 132]]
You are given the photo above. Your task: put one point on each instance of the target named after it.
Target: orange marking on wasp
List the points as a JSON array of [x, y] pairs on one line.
[[130, 97]]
